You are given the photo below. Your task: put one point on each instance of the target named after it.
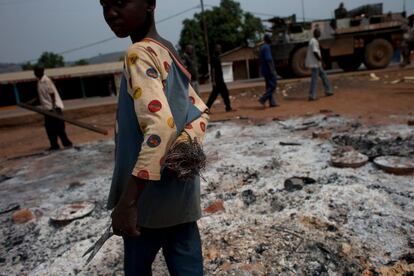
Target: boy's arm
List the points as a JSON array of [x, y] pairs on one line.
[[124, 217], [157, 125], [152, 110]]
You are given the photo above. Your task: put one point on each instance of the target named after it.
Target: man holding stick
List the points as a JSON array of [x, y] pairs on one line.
[[50, 100]]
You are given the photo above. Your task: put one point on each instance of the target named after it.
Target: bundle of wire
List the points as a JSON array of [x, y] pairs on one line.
[[186, 157]]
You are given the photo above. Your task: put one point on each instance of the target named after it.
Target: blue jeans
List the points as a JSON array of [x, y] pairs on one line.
[[271, 84], [314, 82], [181, 246]]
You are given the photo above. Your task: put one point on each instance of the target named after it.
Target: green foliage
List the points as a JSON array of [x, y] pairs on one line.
[[27, 66], [81, 62], [47, 60], [228, 25], [51, 60]]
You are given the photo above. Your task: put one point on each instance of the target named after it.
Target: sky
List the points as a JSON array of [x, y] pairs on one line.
[[30, 27]]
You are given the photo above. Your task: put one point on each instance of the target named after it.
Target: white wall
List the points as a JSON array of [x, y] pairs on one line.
[[228, 71]]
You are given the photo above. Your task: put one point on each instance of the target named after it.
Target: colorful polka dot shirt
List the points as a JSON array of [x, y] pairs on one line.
[[147, 67]]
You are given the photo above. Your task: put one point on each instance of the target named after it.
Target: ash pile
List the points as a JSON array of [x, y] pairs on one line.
[[274, 203]]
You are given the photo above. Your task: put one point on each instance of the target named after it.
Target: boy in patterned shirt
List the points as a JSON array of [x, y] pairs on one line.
[[154, 208]]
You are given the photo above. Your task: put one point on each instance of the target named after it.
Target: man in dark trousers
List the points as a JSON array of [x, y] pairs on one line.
[[219, 86], [268, 72], [50, 100]]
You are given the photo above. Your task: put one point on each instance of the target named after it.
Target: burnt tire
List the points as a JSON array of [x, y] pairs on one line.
[[378, 54], [349, 63], [298, 63]]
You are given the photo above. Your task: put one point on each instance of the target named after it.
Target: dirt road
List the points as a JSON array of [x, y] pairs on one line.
[[371, 101]]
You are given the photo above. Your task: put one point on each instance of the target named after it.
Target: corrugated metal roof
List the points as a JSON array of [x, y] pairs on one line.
[[65, 72], [239, 54]]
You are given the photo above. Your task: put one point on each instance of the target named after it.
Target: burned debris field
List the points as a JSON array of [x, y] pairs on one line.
[[273, 203]]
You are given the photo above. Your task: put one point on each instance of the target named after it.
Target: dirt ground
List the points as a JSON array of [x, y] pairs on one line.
[[257, 219], [370, 100]]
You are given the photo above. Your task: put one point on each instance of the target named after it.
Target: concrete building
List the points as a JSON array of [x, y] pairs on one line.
[[72, 82], [244, 62], [101, 80]]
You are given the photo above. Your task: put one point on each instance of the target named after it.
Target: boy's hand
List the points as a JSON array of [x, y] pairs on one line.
[[125, 214], [124, 220]]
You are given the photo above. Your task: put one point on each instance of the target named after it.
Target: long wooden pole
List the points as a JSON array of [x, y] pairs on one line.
[[60, 117]]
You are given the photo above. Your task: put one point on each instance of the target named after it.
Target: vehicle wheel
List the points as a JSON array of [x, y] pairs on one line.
[[378, 54], [298, 63], [349, 63]]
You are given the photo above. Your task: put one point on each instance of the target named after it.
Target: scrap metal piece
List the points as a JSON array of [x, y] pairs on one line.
[[290, 144], [298, 183], [71, 212], [395, 164], [94, 249], [347, 157], [9, 208]]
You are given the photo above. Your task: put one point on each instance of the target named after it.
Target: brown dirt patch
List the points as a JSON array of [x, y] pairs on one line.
[[371, 102]]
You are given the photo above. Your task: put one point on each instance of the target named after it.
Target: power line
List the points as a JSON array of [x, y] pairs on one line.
[[158, 22], [114, 37], [252, 12], [87, 45], [9, 3], [178, 14]]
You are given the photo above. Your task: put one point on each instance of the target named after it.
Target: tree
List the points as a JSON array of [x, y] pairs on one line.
[[47, 60], [51, 60], [81, 62], [227, 25], [27, 66]]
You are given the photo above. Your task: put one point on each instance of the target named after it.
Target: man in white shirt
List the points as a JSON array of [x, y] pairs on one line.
[[50, 100], [314, 62]]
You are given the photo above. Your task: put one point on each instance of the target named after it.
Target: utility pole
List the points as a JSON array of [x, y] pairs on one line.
[[206, 38], [303, 11], [404, 5]]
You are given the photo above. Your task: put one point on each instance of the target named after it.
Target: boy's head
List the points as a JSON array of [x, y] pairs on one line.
[[129, 17], [39, 71]]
